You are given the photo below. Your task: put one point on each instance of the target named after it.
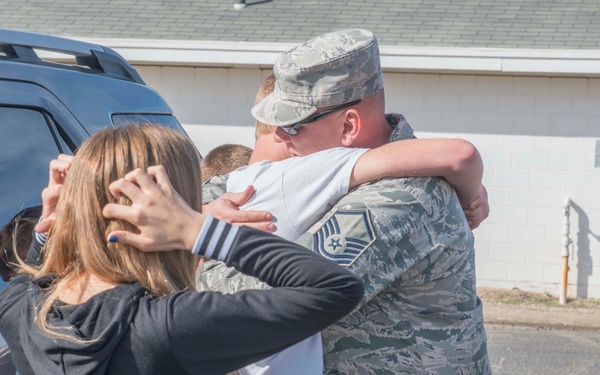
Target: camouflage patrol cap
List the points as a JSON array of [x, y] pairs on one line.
[[331, 69]]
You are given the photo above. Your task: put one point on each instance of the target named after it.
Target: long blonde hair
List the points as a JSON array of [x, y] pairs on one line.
[[77, 243]]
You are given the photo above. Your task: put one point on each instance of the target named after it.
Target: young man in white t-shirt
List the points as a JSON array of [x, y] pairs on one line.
[[298, 191]]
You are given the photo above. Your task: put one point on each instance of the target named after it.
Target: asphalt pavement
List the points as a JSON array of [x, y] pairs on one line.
[[531, 334], [528, 350]]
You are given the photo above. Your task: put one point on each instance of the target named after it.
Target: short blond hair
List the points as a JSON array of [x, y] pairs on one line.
[[224, 159], [266, 88]]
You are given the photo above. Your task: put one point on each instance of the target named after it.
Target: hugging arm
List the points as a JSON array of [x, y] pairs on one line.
[[308, 292], [457, 160]]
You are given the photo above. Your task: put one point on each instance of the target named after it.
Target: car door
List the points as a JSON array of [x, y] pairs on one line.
[[34, 129]]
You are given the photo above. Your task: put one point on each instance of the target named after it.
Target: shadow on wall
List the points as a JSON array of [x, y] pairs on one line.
[[584, 258]]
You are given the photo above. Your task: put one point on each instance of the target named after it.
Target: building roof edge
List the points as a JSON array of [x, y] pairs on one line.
[[427, 59]]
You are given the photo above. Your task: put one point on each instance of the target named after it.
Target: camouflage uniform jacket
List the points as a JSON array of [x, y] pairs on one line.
[[409, 242]]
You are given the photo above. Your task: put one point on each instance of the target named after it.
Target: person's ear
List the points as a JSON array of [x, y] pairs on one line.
[[352, 126]]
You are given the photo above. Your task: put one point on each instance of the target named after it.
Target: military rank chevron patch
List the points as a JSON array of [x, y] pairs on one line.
[[344, 236]]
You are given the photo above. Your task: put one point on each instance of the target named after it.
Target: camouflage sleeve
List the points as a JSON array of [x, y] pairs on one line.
[[381, 232], [409, 242], [216, 276], [213, 188], [402, 129]]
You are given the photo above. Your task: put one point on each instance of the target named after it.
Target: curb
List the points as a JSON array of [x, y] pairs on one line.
[[542, 317]]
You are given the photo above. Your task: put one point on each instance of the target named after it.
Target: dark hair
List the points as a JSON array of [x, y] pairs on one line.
[[15, 239]]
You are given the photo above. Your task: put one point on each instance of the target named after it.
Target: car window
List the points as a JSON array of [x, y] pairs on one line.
[[26, 147]]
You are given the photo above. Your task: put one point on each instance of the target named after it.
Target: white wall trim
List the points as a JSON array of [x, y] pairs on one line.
[[393, 58]]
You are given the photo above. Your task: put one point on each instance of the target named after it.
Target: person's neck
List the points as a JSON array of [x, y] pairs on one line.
[[377, 134], [385, 132], [85, 288], [256, 156]]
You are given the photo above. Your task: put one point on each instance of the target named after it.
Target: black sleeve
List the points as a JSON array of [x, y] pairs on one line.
[[231, 331], [34, 255]]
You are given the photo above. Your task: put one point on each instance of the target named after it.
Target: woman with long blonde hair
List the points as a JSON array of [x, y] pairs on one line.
[[100, 307]]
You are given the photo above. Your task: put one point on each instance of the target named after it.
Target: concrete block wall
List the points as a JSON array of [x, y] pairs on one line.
[[213, 104], [539, 138]]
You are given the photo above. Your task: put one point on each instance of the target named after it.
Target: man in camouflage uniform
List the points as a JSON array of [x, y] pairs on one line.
[[407, 239]]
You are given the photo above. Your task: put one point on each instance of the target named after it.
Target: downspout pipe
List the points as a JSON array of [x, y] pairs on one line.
[[566, 243]]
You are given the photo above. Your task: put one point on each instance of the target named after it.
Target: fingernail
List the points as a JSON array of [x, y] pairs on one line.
[[113, 239]]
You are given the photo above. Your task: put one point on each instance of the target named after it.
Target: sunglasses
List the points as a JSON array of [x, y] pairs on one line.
[[291, 129]]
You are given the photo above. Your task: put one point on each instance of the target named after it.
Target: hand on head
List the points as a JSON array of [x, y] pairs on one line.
[[50, 195], [153, 203], [164, 220]]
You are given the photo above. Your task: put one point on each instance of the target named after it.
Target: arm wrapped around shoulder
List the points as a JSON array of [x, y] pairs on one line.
[[312, 282]]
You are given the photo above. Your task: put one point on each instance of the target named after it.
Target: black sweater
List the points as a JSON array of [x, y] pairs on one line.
[[185, 332]]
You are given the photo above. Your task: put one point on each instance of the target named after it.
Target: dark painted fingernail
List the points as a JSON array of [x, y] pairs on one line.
[[113, 239]]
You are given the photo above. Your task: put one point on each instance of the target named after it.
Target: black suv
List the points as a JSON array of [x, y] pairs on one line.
[[47, 108]]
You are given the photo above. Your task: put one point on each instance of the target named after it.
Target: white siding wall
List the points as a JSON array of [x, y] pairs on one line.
[[537, 137]]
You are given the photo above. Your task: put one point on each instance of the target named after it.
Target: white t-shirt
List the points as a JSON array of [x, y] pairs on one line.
[[298, 192]]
